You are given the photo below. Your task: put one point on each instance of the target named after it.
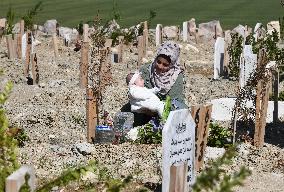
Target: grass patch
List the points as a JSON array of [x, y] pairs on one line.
[[169, 12]]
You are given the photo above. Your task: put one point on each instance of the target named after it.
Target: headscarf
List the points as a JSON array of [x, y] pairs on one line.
[[164, 81]]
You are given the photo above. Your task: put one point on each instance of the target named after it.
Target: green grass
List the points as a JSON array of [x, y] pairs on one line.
[[169, 12]]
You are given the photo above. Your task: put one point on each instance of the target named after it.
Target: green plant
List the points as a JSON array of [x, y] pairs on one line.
[[115, 185], [235, 50], [29, 18], [10, 16], [218, 136], [281, 96], [21, 137], [25, 187], [214, 178], [8, 145], [146, 135], [167, 109]]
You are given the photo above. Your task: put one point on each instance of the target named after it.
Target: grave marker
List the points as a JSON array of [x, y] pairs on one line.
[[55, 46], [24, 46], [227, 42], [262, 97], [12, 54], [248, 62], [92, 110], [28, 53], [17, 179], [178, 151], [120, 49], [201, 115], [158, 34], [140, 50], [185, 31], [219, 57], [275, 94], [84, 64], [35, 71], [273, 25]]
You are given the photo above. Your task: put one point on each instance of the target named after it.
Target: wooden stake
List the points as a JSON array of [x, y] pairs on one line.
[[35, 69], [85, 33], [84, 64], [17, 179], [140, 50], [92, 120], [178, 178], [28, 53], [120, 49], [201, 115], [275, 95], [55, 46], [11, 47]]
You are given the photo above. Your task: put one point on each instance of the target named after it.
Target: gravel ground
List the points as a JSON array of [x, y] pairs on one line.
[[53, 115]]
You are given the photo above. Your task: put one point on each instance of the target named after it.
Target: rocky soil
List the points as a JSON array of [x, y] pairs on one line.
[[53, 114]]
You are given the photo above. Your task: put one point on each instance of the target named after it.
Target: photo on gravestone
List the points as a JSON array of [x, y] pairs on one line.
[[178, 151], [123, 123]]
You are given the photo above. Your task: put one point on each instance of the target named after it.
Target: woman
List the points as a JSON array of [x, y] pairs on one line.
[[166, 74]]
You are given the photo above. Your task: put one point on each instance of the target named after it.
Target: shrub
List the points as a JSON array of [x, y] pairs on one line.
[[218, 136], [214, 178], [8, 145]]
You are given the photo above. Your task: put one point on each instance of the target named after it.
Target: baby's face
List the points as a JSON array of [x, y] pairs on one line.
[[139, 81]]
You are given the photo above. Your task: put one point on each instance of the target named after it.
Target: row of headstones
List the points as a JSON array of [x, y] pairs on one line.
[[248, 59], [184, 142], [22, 46], [248, 64]]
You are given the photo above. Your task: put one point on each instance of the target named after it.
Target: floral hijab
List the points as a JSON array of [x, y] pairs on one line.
[[164, 81]]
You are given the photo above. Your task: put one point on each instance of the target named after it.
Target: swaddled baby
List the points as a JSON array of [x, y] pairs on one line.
[[141, 98]]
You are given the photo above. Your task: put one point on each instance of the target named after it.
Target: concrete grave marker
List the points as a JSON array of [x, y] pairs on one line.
[[178, 151], [273, 25], [184, 31], [158, 34], [247, 64], [219, 57]]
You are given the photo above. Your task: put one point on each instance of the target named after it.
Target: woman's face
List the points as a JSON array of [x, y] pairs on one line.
[[162, 65]]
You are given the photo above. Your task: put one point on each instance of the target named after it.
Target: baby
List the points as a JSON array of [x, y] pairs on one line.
[[142, 98]]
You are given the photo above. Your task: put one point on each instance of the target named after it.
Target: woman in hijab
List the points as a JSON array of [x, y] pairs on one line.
[[165, 74]]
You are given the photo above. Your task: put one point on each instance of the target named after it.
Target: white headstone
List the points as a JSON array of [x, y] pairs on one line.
[[248, 63], [158, 34], [219, 57], [273, 25], [184, 31], [24, 46], [178, 146]]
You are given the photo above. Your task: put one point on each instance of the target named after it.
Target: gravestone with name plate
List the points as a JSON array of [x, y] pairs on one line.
[[248, 63], [219, 57], [178, 151]]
